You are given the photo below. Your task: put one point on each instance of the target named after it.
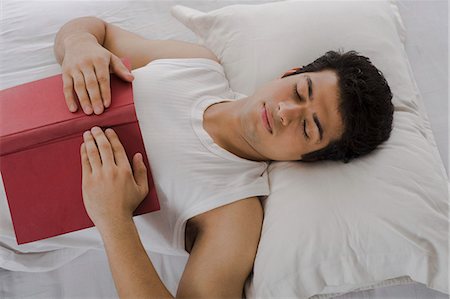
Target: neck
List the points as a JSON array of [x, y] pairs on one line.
[[223, 123]]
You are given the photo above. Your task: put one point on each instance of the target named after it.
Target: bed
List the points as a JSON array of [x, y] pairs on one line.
[[27, 34]]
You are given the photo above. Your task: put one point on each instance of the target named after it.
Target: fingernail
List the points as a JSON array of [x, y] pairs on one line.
[[73, 107], [97, 109], [87, 109]]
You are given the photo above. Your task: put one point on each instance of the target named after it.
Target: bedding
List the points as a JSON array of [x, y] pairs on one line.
[[427, 46], [27, 34], [348, 226]]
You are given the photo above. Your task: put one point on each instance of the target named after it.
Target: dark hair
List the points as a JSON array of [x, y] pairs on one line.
[[364, 105]]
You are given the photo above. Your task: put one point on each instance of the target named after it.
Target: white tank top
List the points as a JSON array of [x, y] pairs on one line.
[[192, 174]]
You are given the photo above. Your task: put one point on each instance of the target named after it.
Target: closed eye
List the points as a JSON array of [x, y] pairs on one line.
[[304, 129], [297, 95]]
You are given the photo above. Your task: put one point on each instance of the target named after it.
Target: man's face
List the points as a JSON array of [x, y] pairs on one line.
[[287, 118]]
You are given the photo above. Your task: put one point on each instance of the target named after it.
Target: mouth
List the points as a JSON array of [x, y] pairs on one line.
[[265, 118]]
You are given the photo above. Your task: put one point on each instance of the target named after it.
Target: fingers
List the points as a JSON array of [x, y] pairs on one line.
[[92, 86], [117, 148], [80, 89], [92, 151], [140, 173], [101, 149], [68, 93], [91, 81], [104, 147], [120, 69], [85, 166], [102, 73]]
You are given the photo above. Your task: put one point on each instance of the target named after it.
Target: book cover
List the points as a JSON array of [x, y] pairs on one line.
[[40, 161]]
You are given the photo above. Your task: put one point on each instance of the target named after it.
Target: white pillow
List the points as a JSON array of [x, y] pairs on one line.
[[331, 227]]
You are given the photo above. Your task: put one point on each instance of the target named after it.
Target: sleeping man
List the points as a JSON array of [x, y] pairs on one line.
[[209, 147]]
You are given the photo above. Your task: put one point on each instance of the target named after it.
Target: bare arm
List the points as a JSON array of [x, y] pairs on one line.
[[225, 247], [112, 190], [224, 251], [89, 48], [218, 266], [133, 272]]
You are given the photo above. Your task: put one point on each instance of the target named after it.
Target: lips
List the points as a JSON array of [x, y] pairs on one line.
[[269, 119], [265, 119]]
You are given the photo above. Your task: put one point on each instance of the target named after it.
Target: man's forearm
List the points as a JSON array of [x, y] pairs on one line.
[[90, 27], [132, 270]]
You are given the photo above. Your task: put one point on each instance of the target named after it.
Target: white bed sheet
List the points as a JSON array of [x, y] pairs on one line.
[[427, 45], [88, 276]]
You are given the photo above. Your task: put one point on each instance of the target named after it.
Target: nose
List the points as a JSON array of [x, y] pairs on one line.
[[289, 111]]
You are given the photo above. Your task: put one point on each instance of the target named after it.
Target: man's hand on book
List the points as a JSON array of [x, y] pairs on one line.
[[86, 71], [112, 189]]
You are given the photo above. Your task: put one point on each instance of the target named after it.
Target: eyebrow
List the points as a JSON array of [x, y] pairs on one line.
[[310, 91]]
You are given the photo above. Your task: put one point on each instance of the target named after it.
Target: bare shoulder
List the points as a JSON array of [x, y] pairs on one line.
[[142, 51], [224, 250]]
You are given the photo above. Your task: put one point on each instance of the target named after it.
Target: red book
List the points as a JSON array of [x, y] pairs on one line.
[[40, 162]]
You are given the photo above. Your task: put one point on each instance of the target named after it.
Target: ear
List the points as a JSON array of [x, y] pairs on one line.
[[290, 72]]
